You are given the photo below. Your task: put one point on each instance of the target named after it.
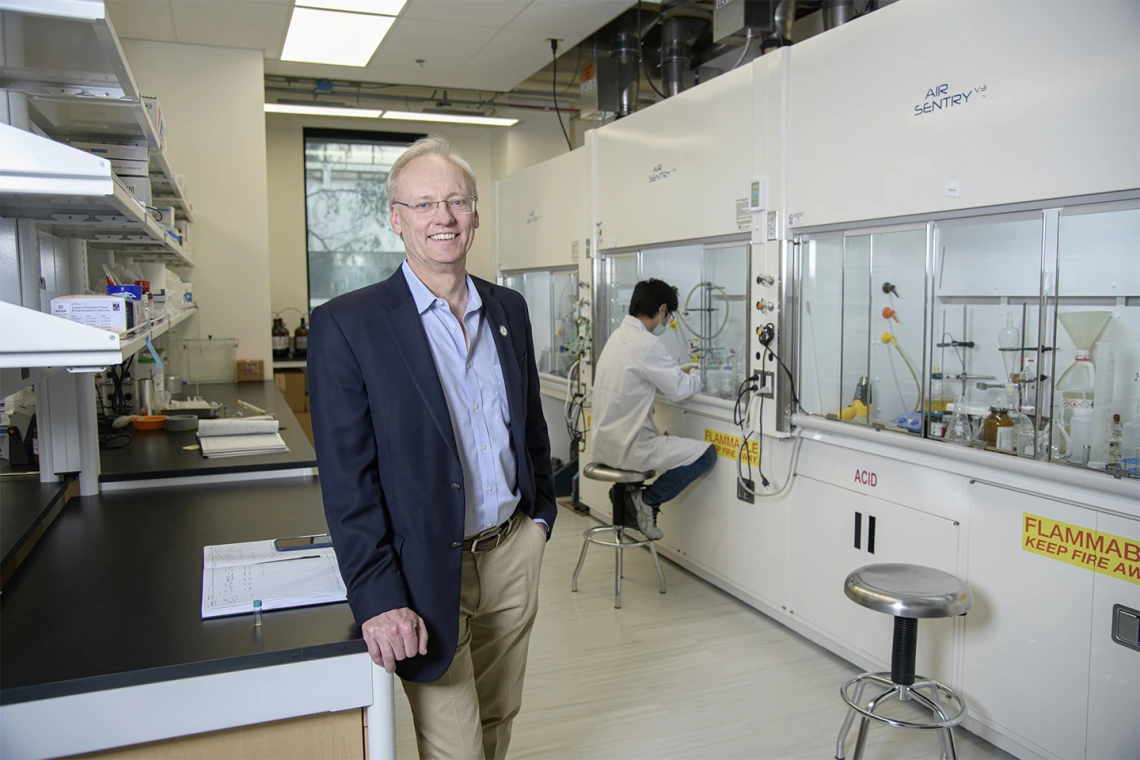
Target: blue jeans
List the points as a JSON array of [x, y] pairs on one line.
[[672, 482]]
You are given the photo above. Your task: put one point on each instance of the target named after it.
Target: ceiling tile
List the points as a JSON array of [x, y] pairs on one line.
[[142, 19], [493, 13], [445, 47], [232, 23], [571, 20], [510, 57]]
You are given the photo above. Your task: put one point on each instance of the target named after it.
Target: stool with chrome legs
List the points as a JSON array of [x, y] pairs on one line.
[[625, 481], [908, 592]]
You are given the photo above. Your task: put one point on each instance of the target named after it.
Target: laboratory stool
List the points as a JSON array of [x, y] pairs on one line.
[[907, 592], [625, 482]]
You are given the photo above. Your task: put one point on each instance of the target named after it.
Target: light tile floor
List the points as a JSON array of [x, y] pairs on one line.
[[693, 673]]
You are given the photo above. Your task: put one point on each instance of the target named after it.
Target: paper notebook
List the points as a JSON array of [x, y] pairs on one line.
[[240, 437], [233, 575]]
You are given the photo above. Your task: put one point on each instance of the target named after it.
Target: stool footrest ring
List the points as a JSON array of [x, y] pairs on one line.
[[592, 534], [883, 679]]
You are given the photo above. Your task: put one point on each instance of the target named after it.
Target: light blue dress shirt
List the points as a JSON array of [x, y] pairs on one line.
[[477, 400]]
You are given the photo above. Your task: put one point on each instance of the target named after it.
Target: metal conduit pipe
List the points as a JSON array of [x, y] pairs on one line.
[[837, 12], [625, 52], [785, 17]]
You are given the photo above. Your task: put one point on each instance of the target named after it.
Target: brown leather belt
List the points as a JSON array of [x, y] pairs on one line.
[[490, 538]]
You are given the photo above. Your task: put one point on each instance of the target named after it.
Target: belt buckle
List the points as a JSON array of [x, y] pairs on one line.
[[498, 537]]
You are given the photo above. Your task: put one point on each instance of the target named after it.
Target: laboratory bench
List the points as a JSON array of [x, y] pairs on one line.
[[105, 616], [158, 454], [27, 509]]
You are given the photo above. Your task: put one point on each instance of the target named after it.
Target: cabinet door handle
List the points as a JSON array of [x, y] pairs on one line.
[[871, 534], [858, 530]]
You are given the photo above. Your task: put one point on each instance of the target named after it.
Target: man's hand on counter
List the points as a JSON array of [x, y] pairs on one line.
[[393, 636]]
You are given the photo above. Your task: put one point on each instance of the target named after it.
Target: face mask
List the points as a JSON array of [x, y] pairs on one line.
[[659, 330]]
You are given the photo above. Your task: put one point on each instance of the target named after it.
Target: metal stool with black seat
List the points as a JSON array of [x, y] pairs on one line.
[[625, 482], [908, 592]]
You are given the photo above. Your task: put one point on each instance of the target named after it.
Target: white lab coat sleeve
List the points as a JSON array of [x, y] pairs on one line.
[[662, 370]]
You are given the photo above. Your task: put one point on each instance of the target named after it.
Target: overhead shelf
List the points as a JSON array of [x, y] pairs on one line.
[[76, 193], [164, 185], [65, 56], [35, 345]]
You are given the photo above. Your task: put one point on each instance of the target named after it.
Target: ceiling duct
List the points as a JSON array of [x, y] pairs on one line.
[[681, 28], [837, 12]]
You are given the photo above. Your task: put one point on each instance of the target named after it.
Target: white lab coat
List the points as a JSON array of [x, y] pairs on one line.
[[635, 365]]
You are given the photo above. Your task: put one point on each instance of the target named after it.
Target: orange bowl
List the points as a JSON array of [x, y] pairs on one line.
[[152, 422]]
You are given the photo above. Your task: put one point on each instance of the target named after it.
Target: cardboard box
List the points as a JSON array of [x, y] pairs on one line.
[[129, 151], [306, 421], [125, 168], [140, 188], [250, 370], [292, 385], [105, 312]]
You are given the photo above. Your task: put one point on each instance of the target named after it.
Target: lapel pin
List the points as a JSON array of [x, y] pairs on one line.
[[502, 331]]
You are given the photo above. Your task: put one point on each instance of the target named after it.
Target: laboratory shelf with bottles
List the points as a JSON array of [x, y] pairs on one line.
[[711, 323], [1015, 332]]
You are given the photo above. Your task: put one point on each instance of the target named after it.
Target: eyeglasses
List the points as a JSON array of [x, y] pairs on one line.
[[454, 205]]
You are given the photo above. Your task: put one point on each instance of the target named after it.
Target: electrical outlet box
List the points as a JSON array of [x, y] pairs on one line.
[[743, 494], [766, 386]]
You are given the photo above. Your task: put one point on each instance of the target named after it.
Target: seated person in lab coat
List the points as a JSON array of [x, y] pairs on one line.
[[633, 367]]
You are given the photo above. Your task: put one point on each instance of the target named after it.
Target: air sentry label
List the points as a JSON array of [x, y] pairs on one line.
[[941, 98], [1103, 553]]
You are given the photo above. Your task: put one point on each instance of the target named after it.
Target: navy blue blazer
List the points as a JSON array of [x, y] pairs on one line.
[[389, 466]]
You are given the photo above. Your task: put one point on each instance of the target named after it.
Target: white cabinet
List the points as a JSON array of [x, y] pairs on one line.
[[944, 133], [835, 531], [544, 213], [1027, 637], [678, 170], [1114, 670]]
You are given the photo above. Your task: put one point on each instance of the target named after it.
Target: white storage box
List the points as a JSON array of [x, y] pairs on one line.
[[164, 215], [105, 312], [140, 188], [128, 168], [127, 151]]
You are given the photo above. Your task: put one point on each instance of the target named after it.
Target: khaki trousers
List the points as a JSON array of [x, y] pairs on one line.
[[467, 714]]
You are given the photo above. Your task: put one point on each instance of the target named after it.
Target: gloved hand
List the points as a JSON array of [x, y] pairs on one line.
[[687, 368]]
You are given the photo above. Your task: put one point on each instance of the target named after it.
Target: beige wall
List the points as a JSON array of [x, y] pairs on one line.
[[492, 151], [211, 102]]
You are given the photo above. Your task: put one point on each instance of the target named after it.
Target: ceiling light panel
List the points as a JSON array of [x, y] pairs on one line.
[[381, 7], [341, 39], [488, 121], [363, 113]]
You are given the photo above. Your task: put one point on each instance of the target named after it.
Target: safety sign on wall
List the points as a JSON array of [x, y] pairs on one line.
[[1103, 553], [727, 446]]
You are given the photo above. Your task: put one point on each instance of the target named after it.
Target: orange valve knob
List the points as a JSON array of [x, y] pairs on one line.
[[889, 313]]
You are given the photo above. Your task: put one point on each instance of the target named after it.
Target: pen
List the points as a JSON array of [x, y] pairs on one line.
[[289, 559]]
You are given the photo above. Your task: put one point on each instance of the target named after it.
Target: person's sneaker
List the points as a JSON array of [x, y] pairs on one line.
[[646, 519]]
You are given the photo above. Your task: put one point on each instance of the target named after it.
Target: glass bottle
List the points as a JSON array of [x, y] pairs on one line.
[[937, 425], [301, 340], [1115, 439], [998, 429], [280, 339]]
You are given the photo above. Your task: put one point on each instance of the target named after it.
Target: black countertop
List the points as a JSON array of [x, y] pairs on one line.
[[25, 505], [159, 454], [112, 595]]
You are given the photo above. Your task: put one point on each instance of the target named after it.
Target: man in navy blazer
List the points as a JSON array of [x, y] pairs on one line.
[[435, 464]]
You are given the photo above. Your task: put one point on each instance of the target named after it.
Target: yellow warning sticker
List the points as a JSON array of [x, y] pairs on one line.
[[727, 446], [1103, 553]]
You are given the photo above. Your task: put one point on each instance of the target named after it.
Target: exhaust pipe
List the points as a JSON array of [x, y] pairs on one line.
[[837, 12]]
